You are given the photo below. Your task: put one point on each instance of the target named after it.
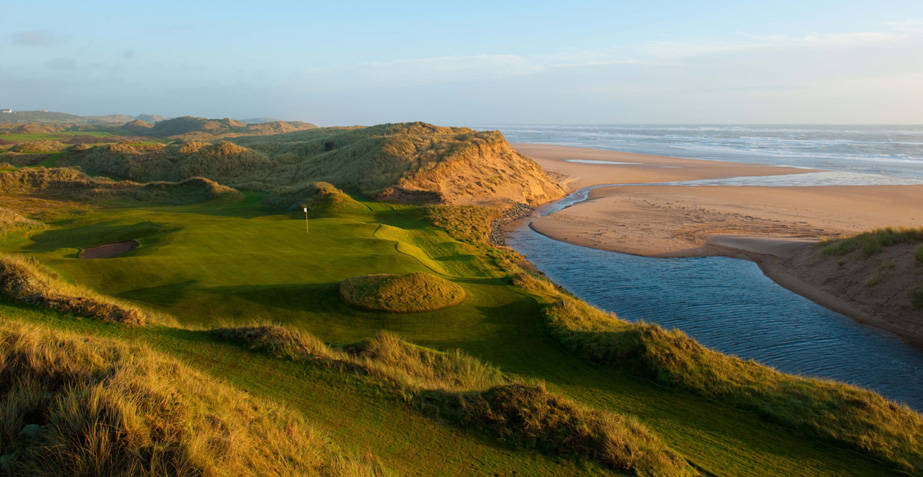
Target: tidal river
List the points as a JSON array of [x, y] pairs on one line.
[[729, 305]]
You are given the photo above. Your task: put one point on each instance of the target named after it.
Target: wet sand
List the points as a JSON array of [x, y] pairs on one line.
[[635, 168]]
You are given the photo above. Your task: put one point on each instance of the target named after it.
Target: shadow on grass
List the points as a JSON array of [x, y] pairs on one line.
[[148, 233], [165, 295]]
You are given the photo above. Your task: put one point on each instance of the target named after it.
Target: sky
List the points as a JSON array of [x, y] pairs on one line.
[[470, 63]]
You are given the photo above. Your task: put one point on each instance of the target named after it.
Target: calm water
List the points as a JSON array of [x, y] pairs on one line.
[[870, 151], [729, 305]]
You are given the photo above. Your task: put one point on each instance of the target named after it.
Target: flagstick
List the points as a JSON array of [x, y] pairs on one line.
[[306, 220]]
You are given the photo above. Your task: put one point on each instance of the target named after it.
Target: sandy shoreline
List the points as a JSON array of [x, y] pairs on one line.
[[635, 168], [772, 226]]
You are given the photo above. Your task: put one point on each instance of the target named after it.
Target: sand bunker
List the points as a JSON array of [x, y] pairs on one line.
[[109, 250]]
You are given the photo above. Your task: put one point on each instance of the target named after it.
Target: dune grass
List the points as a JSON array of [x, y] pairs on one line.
[[228, 263], [872, 242], [24, 281], [464, 222], [466, 391], [419, 291], [918, 253], [91, 406], [842, 413]]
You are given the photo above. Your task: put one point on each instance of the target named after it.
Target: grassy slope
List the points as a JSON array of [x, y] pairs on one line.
[[225, 263]]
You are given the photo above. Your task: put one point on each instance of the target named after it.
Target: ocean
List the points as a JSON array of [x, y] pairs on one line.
[[853, 155]]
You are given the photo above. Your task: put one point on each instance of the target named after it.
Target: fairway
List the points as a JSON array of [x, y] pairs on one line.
[[227, 263]]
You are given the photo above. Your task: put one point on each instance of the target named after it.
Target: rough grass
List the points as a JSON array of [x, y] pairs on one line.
[[90, 406], [41, 146], [70, 184], [10, 220], [918, 253], [873, 242], [529, 416], [414, 292], [24, 281], [470, 224], [838, 412], [475, 395]]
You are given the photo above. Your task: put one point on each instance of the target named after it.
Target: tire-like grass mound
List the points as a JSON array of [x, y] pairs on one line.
[[401, 293]]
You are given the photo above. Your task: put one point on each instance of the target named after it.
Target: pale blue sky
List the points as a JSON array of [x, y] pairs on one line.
[[469, 63]]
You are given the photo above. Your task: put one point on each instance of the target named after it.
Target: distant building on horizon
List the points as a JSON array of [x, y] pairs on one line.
[[6, 111]]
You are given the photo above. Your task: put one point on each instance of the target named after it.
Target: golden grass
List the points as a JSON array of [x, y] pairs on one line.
[[530, 416], [846, 414], [81, 405], [419, 291], [10, 220], [321, 199], [478, 396], [71, 184], [24, 281], [466, 223]]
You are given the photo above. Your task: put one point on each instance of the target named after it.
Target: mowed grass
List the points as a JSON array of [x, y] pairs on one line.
[[223, 264]]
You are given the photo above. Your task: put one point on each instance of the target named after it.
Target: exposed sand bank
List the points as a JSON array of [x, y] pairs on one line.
[[679, 220], [776, 227], [635, 168]]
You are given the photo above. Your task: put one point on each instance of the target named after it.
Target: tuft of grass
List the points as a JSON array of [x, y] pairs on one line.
[[872, 242], [91, 406], [24, 281], [414, 292], [467, 223], [918, 253]]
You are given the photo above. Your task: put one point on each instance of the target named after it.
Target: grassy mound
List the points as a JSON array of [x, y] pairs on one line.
[[10, 220], [413, 292], [529, 416], [39, 147], [477, 396], [838, 412], [88, 406], [70, 184], [24, 281], [322, 199]]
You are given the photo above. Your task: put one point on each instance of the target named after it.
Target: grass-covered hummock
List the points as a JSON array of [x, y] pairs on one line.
[[321, 199], [82, 405], [24, 281], [419, 291]]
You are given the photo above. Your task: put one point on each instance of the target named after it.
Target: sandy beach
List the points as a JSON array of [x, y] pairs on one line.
[[685, 220], [772, 226], [615, 167]]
